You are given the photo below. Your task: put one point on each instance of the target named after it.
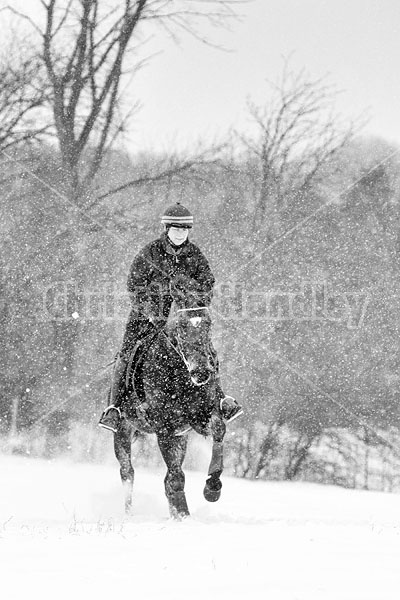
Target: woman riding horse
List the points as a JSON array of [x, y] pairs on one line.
[[167, 266]]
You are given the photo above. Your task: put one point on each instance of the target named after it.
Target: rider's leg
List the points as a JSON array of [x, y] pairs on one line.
[[227, 406], [112, 414]]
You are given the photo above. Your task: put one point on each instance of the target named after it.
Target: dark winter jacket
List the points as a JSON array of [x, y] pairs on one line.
[[161, 264]]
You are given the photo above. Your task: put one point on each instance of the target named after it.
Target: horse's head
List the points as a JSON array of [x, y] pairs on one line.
[[191, 331]]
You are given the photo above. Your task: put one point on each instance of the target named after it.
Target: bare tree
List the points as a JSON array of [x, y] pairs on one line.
[[192, 165], [296, 134], [89, 49], [23, 93], [85, 44]]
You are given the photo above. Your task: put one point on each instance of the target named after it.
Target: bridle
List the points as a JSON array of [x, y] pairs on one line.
[[179, 347]]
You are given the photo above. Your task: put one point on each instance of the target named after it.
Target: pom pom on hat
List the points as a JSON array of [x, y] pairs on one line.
[[177, 216]]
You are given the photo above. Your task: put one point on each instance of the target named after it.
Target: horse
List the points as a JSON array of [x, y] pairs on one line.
[[178, 375]]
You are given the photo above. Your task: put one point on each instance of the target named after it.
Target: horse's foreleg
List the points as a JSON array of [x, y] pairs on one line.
[[122, 448], [173, 450], [212, 489]]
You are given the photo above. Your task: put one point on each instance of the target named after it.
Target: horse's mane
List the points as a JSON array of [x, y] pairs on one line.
[[171, 321]]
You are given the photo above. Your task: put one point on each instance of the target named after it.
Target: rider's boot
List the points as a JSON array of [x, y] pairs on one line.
[[111, 416], [227, 406]]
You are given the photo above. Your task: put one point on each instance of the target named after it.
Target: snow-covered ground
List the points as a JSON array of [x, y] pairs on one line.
[[63, 535]]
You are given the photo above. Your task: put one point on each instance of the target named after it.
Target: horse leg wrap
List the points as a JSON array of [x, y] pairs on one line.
[[217, 458]]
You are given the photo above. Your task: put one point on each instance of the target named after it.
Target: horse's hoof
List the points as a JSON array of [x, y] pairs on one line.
[[212, 495]]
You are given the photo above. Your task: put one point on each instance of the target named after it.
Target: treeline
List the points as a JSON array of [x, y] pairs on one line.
[[305, 323]]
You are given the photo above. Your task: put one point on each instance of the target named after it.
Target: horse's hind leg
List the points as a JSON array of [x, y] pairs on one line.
[[212, 489], [173, 450], [122, 448]]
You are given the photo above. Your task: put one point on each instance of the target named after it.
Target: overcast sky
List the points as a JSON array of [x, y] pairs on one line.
[[191, 91]]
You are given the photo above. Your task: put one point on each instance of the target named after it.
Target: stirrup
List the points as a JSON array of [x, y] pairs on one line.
[[112, 406], [111, 424], [235, 412]]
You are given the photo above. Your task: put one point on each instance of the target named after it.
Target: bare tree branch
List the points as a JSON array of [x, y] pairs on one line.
[[296, 134], [23, 93], [84, 46], [175, 167]]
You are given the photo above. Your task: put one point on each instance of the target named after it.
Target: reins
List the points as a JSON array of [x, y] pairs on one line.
[[179, 348]]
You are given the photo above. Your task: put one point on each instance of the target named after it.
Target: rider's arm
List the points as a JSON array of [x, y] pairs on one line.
[[200, 282], [140, 278], [204, 275]]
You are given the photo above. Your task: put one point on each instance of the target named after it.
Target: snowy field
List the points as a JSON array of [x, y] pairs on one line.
[[63, 535]]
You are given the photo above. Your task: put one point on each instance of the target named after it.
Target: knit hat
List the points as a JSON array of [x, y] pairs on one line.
[[177, 216]]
